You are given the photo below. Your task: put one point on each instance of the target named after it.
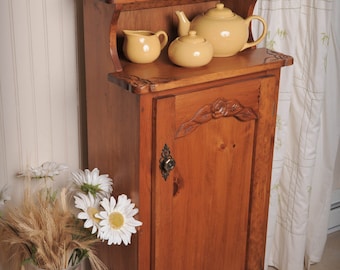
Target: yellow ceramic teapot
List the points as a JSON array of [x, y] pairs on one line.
[[226, 31]]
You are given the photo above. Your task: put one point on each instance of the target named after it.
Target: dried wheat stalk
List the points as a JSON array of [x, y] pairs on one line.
[[43, 231]]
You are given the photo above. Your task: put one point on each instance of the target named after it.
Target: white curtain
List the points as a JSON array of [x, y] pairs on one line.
[[307, 132]]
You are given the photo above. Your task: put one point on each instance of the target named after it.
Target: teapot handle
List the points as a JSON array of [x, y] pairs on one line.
[[164, 41], [264, 31]]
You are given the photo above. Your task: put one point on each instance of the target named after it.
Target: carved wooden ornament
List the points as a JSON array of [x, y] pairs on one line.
[[219, 108]]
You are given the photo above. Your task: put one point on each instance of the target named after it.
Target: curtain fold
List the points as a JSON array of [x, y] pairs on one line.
[[302, 29], [327, 149]]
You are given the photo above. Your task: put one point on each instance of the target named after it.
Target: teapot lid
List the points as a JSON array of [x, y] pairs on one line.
[[220, 12], [192, 38]]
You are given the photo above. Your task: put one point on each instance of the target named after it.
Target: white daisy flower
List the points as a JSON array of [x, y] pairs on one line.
[[91, 182], [117, 222], [46, 170], [90, 207], [4, 195]]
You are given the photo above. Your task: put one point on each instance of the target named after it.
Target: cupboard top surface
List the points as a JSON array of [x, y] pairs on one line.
[[163, 75]]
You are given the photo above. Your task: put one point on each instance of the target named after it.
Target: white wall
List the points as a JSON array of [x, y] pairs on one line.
[[40, 86]]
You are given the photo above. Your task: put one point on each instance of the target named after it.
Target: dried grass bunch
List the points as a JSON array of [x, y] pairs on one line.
[[44, 229]]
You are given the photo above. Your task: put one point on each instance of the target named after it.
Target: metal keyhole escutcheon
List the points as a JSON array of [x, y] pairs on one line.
[[166, 162]]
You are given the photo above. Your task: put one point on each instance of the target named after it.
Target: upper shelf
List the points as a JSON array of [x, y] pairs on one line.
[[163, 75], [243, 8], [145, 4], [161, 16]]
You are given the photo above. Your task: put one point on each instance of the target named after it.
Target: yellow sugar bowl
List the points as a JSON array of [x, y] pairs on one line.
[[190, 51]]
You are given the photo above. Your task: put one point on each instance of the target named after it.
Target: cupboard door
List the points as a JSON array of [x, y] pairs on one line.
[[201, 202]]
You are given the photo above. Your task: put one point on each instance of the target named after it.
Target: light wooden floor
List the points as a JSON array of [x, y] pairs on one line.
[[331, 257]]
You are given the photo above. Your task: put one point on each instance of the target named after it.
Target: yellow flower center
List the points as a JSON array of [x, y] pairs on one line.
[[116, 220], [92, 211]]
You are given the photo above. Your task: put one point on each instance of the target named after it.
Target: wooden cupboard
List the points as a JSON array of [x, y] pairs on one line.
[[191, 147]]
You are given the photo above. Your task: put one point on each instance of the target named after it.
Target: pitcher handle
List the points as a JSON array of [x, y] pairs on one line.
[[164, 41], [264, 31]]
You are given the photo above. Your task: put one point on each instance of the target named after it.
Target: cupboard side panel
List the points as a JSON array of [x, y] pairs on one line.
[[261, 175], [114, 149], [107, 130]]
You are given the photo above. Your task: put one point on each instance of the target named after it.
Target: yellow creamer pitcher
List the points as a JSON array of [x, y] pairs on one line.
[[143, 46]]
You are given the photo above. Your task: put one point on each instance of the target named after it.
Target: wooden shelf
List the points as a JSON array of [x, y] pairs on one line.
[[242, 8], [163, 75], [147, 4]]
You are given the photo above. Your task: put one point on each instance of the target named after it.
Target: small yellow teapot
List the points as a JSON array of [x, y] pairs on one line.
[[227, 32], [190, 51]]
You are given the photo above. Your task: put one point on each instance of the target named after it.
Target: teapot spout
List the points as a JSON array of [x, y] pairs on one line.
[[183, 23]]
